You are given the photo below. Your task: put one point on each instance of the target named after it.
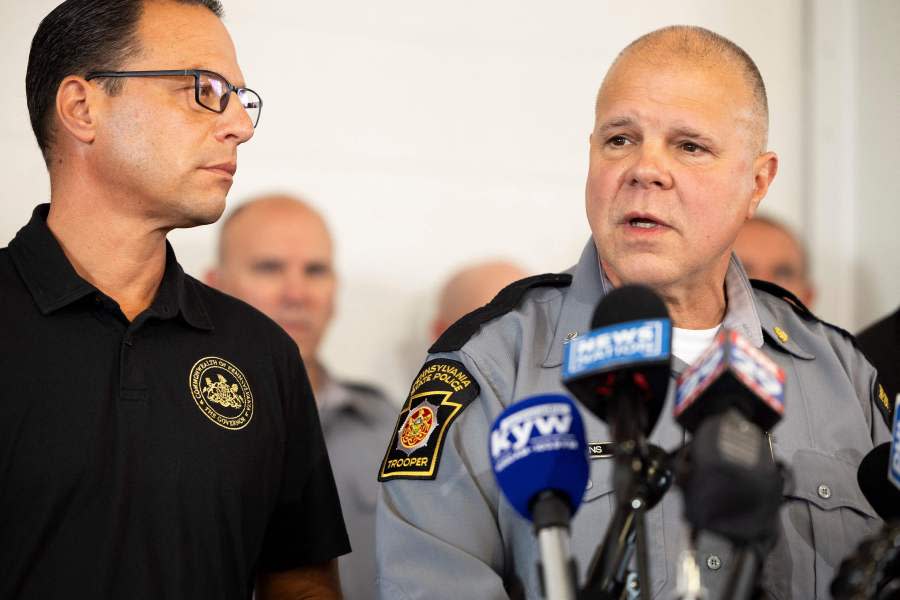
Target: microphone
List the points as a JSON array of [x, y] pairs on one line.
[[539, 457], [620, 371], [731, 373], [730, 480], [873, 570], [879, 474], [874, 480]]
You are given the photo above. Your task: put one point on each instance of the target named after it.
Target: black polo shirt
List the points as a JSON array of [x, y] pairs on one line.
[[169, 457]]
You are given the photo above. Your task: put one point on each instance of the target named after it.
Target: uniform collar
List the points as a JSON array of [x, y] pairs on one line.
[[590, 284], [54, 284], [334, 396], [778, 329]]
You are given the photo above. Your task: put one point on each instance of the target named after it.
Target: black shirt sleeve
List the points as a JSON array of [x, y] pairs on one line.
[[307, 525]]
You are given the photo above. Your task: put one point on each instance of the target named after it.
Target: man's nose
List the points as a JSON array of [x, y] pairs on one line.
[[295, 289], [651, 167], [235, 123]]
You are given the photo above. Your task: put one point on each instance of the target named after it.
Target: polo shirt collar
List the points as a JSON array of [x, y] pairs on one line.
[[53, 283], [590, 284]]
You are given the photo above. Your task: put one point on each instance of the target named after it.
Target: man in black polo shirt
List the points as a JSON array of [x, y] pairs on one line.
[[159, 439]]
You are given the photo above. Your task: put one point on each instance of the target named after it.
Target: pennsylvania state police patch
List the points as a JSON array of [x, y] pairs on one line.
[[440, 392]]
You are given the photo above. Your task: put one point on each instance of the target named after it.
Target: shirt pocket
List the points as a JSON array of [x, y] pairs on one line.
[[596, 512], [825, 518]]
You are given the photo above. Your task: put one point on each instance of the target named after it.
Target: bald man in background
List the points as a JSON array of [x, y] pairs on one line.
[[276, 253], [770, 251], [472, 287]]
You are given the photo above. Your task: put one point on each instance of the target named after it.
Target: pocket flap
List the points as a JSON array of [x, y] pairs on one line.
[[827, 481]]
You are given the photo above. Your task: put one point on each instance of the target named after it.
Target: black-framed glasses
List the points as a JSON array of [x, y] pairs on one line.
[[211, 90]]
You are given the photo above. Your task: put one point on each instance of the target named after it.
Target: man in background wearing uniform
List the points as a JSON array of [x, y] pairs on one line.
[[678, 163], [770, 251], [275, 252], [159, 439]]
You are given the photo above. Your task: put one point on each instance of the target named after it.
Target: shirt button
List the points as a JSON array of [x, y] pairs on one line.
[[713, 562], [824, 491]]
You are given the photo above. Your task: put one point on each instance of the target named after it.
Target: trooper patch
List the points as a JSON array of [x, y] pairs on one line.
[[440, 392]]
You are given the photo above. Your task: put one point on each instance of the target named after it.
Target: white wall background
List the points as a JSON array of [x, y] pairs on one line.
[[432, 134]]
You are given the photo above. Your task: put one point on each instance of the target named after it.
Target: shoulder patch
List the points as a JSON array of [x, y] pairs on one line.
[[439, 393], [506, 300], [884, 405]]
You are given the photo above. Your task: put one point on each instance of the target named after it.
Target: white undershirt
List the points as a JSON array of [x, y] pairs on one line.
[[689, 344]]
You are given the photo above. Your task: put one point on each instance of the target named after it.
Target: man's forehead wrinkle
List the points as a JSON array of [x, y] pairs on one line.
[[623, 83]]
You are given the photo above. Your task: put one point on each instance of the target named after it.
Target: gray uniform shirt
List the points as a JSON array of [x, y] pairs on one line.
[[457, 537], [357, 421]]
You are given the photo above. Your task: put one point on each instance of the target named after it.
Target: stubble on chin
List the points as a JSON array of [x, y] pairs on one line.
[[201, 211]]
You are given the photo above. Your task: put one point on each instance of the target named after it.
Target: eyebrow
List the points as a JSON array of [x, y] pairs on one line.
[[677, 131], [684, 131], [616, 123], [197, 67]]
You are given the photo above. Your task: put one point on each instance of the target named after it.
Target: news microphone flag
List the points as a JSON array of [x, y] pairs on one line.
[[538, 444], [731, 361], [618, 345]]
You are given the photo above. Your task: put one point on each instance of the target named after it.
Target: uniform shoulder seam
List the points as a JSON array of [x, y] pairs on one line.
[[798, 307], [879, 398], [505, 301]]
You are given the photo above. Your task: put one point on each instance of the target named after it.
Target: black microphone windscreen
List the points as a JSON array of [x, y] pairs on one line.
[[874, 484], [731, 484], [629, 303]]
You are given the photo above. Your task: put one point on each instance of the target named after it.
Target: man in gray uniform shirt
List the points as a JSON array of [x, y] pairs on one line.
[[678, 162], [275, 253]]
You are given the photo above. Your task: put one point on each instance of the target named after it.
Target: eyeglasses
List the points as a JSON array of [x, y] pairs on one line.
[[211, 90]]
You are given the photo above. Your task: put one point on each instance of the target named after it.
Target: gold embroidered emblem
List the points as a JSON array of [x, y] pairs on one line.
[[782, 335], [882, 395], [417, 428], [221, 392]]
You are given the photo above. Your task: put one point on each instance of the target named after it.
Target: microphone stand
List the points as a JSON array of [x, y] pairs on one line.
[[551, 515], [650, 476], [743, 581]]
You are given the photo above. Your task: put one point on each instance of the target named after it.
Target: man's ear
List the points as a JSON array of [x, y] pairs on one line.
[[765, 166], [73, 108]]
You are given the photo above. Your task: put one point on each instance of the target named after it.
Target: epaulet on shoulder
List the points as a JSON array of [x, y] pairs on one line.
[[506, 300], [798, 306], [879, 396]]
